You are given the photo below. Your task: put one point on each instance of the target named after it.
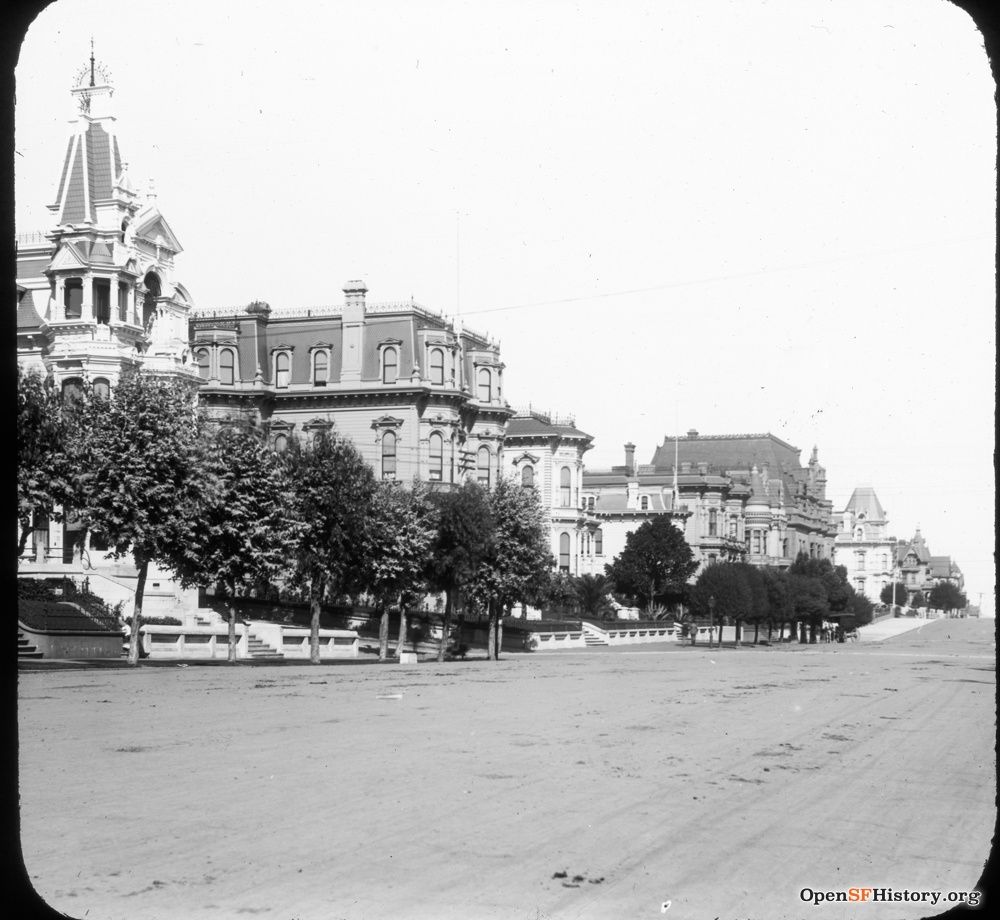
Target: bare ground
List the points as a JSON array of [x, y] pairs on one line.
[[590, 785]]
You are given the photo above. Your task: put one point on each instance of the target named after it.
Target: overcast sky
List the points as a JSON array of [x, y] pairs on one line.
[[729, 216]]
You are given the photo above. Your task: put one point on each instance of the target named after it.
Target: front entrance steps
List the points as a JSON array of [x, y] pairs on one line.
[[593, 635]]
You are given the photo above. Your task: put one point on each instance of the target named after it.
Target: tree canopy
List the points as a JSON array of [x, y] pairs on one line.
[[945, 596], [135, 461], [656, 560], [332, 491]]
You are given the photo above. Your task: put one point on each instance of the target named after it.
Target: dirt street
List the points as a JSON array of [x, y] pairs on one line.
[[597, 784]]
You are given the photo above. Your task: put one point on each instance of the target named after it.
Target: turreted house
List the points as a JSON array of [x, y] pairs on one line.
[[863, 546]]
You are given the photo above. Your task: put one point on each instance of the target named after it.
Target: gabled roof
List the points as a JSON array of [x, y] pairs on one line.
[[150, 223], [864, 501]]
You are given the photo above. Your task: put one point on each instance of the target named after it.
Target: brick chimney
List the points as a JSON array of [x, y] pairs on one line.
[[630, 457]]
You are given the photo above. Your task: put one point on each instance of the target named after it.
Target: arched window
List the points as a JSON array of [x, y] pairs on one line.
[[73, 298], [599, 542], [72, 391], [390, 365], [201, 359], [101, 389], [227, 367], [282, 370], [564, 552], [644, 503], [389, 455], [435, 456], [321, 368], [565, 490], [281, 443], [483, 467], [485, 386], [437, 366], [527, 475]]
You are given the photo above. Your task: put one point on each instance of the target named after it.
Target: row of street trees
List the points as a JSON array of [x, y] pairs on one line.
[[804, 595], [218, 507], [942, 596]]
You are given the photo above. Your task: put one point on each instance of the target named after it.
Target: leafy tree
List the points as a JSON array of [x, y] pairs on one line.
[[331, 497], [461, 544], [809, 601], [43, 483], [136, 460], [398, 535], [894, 595], [593, 596], [945, 596], [727, 586], [780, 609], [862, 609], [558, 594], [517, 558], [656, 560], [918, 600], [833, 580], [238, 527]]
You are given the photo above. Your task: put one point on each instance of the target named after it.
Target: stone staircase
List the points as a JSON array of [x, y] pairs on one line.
[[261, 651], [592, 635], [24, 647]]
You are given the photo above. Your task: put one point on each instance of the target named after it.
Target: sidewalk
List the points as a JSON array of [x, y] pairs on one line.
[[892, 626]]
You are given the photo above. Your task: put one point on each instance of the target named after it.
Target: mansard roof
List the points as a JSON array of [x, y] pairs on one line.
[[729, 452], [27, 315], [864, 501], [537, 424]]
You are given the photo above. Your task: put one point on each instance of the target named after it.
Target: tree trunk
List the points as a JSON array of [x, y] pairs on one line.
[[491, 632], [401, 641], [315, 592], [140, 586], [500, 632], [812, 632], [770, 630], [232, 631], [737, 633], [383, 635], [23, 539], [446, 625], [756, 631]]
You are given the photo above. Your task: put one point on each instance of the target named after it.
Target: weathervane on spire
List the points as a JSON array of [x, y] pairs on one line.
[[91, 80]]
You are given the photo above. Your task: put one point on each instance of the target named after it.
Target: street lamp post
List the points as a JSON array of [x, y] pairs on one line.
[[711, 622]]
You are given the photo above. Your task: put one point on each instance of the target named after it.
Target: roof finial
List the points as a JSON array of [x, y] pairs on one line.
[[92, 60]]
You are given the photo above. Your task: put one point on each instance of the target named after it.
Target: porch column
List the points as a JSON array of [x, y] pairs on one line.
[[87, 310]]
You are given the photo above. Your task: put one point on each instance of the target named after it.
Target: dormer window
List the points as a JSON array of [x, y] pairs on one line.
[[485, 381], [321, 368], [644, 503], [282, 369], [227, 367], [390, 365], [436, 366]]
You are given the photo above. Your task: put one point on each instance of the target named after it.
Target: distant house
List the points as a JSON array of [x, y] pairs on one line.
[[736, 497], [862, 545]]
